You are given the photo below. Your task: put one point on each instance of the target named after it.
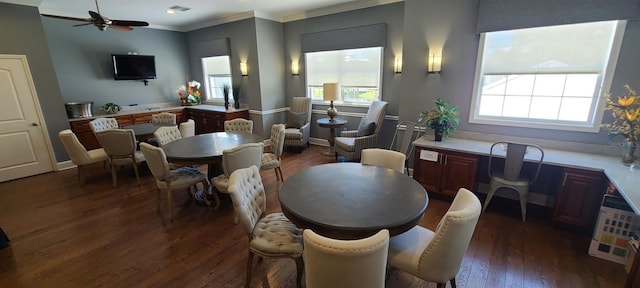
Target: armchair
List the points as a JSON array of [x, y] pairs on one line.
[[298, 123], [351, 143]]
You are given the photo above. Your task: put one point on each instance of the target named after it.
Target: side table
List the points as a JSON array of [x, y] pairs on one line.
[[332, 125]]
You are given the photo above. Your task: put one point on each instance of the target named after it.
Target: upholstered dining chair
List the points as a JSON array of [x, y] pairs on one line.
[[120, 146], [510, 176], [351, 142], [298, 125], [101, 124], [163, 118], [270, 236], [188, 128], [167, 134], [79, 154], [271, 160], [169, 180], [410, 132], [345, 263], [238, 125], [436, 256], [386, 158]]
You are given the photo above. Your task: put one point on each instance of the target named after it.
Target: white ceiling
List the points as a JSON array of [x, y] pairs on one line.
[[203, 13]]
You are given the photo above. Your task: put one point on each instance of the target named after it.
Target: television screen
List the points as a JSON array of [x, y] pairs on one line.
[[133, 67]]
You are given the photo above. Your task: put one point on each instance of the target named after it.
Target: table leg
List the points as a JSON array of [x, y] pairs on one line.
[[332, 139]]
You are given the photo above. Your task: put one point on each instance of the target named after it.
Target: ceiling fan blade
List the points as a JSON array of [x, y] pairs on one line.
[[83, 24], [97, 18], [120, 28], [68, 18], [129, 23]]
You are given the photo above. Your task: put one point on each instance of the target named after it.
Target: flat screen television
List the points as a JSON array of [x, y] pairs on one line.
[[133, 67]]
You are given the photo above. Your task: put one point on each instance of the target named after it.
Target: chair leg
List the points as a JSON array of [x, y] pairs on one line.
[[158, 196], [299, 270], [135, 169], [523, 206], [492, 190], [170, 203], [441, 285], [453, 282], [276, 171], [114, 177], [249, 268], [280, 172]]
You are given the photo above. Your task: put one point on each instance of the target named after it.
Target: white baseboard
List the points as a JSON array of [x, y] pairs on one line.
[[64, 165], [319, 142]]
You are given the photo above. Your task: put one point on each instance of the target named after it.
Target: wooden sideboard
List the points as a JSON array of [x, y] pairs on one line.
[[450, 172], [212, 120]]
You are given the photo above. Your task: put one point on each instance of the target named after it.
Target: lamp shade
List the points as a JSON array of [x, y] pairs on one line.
[[331, 91]]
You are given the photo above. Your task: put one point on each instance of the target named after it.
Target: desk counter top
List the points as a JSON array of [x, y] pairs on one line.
[[159, 108], [627, 183]]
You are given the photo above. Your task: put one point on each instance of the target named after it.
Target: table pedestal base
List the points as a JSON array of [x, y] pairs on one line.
[[329, 152]]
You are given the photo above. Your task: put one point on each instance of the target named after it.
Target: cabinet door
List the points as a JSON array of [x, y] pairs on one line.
[[578, 198], [426, 172], [459, 172], [124, 120], [142, 118], [85, 135]]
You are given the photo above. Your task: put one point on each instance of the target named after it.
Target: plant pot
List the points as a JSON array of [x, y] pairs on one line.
[[438, 135]]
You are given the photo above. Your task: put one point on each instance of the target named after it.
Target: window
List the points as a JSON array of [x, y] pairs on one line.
[[357, 71], [546, 77], [217, 71]]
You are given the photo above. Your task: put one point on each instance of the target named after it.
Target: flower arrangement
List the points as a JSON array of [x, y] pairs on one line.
[[443, 119], [626, 123], [190, 93]]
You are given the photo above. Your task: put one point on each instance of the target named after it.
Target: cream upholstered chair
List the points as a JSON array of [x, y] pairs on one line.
[[120, 146], [345, 263], [385, 158], [79, 154], [510, 176], [298, 123], [187, 128], [163, 118], [437, 256], [168, 180], [272, 159], [242, 156], [350, 143], [405, 145], [166, 134], [272, 235], [238, 125], [101, 124]]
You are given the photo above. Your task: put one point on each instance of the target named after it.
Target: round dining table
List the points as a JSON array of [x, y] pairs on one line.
[[352, 201], [206, 149]]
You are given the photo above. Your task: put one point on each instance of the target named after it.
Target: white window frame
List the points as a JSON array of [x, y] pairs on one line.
[[597, 112], [343, 88]]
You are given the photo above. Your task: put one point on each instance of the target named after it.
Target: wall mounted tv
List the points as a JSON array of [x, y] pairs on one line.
[[134, 67]]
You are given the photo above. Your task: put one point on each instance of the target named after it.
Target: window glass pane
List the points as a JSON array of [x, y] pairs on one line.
[[516, 106], [491, 105], [520, 84], [581, 85], [545, 107], [575, 109], [549, 85], [357, 70]]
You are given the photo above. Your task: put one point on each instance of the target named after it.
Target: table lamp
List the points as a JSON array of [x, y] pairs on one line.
[[331, 92]]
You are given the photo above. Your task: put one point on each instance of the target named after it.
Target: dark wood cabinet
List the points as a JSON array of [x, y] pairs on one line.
[[448, 172], [578, 198], [208, 121]]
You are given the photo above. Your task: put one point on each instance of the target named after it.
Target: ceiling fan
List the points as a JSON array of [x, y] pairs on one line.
[[103, 22]]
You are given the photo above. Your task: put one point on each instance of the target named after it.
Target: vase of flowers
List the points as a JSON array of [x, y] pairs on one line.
[[443, 119], [190, 93], [625, 110]]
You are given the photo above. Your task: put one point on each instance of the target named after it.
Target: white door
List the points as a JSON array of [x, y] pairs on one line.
[[24, 144]]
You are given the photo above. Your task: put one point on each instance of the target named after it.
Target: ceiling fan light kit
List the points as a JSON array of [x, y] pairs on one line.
[[103, 22]]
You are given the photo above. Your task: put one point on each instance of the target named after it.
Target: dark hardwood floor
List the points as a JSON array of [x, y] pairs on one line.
[[64, 234]]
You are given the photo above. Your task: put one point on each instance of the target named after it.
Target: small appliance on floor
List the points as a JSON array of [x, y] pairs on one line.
[[616, 223]]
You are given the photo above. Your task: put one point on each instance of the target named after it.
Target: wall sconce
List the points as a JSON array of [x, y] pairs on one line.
[[294, 68], [434, 63], [243, 69], [397, 65]]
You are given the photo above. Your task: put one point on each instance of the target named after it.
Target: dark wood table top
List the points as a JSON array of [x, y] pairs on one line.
[[144, 129], [206, 148], [352, 201], [327, 123]]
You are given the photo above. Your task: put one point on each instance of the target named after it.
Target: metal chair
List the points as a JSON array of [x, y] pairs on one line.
[[510, 176], [405, 145]]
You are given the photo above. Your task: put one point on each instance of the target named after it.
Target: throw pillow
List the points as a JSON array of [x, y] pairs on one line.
[[296, 119], [366, 127]]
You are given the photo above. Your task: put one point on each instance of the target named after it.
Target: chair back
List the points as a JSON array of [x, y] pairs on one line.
[[238, 125], [156, 160], [301, 104], [441, 259], [345, 263], [376, 113], [385, 158], [77, 152], [167, 134], [118, 143], [163, 118], [101, 124], [188, 128], [410, 134], [515, 155], [277, 139], [242, 156], [248, 196]]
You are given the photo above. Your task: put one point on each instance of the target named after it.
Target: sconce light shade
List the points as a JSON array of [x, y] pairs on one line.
[[435, 63], [294, 68], [397, 65], [243, 69], [331, 92]]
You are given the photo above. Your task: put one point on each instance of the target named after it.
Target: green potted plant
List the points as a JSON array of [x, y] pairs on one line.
[[443, 119], [225, 92], [111, 108], [236, 95]]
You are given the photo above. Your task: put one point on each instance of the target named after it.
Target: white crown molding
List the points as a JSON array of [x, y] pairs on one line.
[[34, 3], [338, 8], [218, 21]]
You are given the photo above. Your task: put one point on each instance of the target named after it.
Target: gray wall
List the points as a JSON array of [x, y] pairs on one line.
[[270, 72], [22, 34]]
